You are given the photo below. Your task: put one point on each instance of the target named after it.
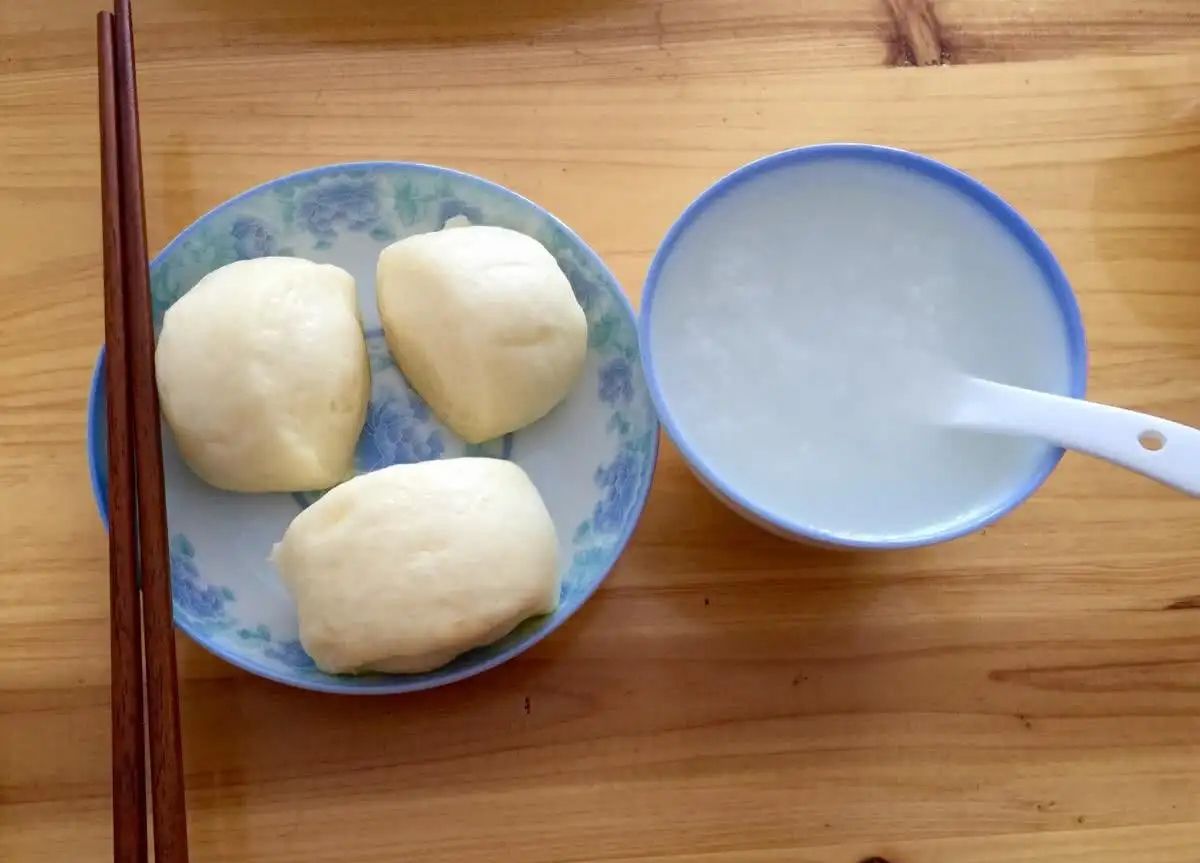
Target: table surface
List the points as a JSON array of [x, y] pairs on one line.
[[1031, 693]]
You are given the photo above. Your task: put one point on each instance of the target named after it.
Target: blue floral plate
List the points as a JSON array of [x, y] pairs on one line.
[[592, 458]]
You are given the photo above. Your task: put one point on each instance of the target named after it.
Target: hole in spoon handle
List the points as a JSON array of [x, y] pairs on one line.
[[1152, 440]]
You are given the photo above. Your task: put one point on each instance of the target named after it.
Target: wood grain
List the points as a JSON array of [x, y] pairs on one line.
[[1027, 694]]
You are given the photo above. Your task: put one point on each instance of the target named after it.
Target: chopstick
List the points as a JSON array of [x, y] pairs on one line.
[[133, 414], [128, 750]]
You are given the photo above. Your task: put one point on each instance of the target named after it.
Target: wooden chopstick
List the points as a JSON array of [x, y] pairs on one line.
[[127, 227], [128, 748]]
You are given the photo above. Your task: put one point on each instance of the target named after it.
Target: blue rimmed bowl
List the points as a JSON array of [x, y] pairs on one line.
[[591, 458], [713, 209]]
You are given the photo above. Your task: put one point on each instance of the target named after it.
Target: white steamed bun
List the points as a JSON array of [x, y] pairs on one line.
[[484, 325], [402, 569], [263, 376]]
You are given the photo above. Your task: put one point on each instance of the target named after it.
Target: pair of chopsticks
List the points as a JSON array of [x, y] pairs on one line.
[[137, 540]]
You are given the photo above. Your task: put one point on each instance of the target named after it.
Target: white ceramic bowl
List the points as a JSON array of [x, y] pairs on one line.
[[1019, 485]]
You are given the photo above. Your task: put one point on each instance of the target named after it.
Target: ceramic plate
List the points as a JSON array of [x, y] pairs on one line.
[[591, 458]]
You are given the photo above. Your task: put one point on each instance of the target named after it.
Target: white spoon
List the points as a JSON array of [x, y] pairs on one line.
[[1160, 449]]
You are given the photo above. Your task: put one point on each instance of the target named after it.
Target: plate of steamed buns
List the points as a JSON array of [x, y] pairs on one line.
[[405, 428]]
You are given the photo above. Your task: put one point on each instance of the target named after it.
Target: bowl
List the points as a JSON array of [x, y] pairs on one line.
[[591, 458], [733, 223]]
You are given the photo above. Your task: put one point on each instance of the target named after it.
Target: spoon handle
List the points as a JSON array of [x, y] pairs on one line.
[[1163, 450]]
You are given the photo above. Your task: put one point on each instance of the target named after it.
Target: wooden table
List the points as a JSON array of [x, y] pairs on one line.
[[1028, 694]]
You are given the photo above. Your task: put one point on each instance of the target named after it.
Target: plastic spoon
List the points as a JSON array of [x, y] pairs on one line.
[[1163, 450]]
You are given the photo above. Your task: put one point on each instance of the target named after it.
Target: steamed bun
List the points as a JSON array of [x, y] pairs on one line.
[[263, 376], [483, 324], [402, 569]]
